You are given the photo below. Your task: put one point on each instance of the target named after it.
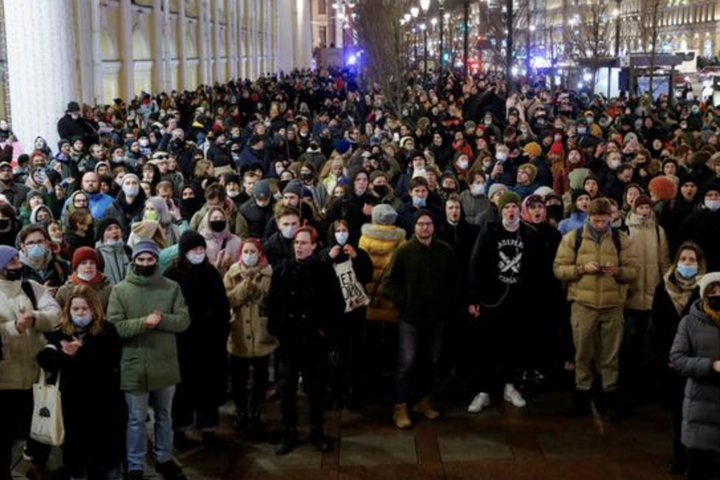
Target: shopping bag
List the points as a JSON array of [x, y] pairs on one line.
[[47, 420]]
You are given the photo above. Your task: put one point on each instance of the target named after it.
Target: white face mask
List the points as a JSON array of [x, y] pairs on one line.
[[233, 193], [501, 156], [712, 205], [81, 321], [195, 258], [477, 189], [615, 164], [85, 277], [464, 164], [250, 259], [131, 190], [289, 231], [341, 237]]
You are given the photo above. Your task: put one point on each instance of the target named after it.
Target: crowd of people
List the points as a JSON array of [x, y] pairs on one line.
[[297, 230]]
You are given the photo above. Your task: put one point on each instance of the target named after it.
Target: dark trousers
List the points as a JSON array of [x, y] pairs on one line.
[[498, 355], [701, 464], [347, 377], [251, 402], [634, 350], [310, 361], [16, 407], [418, 354]]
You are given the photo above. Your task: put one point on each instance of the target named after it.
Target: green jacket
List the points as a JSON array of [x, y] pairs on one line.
[[421, 281], [149, 357]]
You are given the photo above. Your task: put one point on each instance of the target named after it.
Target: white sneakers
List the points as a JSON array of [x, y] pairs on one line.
[[513, 396], [480, 401]]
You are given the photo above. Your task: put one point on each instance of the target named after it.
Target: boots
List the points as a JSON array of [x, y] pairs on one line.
[[255, 428], [425, 407], [323, 443], [401, 417], [288, 442], [580, 406]]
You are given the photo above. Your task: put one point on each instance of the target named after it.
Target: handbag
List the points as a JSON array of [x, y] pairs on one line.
[[47, 421]]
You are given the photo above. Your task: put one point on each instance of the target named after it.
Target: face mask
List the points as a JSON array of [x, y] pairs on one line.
[[4, 223], [501, 156], [524, 131], [144, 270], [714, 303], [130, 190], [687, 271], [144, 143], [14, 275], [56, 239], [36, 252], [233, 193], [306, 177], [341, 237], [581, 131], [614, 164], [695, 110], [590, 119], [152, 215], [250, 259], [195, 258], [418, 202], [81, 321], [217, 225], [463, 164], [85, 277], [712, 205], [288, 232], [477, 189], [115, 243], [381, 190]]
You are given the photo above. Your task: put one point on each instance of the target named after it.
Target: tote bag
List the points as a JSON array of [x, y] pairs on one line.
[[353, 291], [47, 420]]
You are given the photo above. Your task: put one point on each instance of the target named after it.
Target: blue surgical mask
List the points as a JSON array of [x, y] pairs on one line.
[[250, 259], [36, 252], [687, 271], [418, 202], [341, 237], [81, 321]]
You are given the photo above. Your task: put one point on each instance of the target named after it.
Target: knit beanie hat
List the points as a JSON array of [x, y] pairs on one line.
[[422, 213], [295, 187], [544, 191], [261, 190], [496, 188], [384, 214], [82, 254], [642, 200], [189, 240], [577, 193], [533, 149], [103, 225], [531, 170], [707, 280], [145, 246], [507, 198], [663, 188], [6, 255], [557, 149]]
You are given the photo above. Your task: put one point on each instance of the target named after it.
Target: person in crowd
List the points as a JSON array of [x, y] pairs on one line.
[[215, 196], [15, 193], [10, 224], [503, 261], [475, 199], [421, 281], [39, 262], [279, 246], [201, 348], [86, 270], [258, 210], [580, 204], [702, 226], [677, 210], [223, 248], [156, 209], [112, 249], [305, 306], [673, 299], [597, 268], [27, 313], [695, 355], [129, 204], [83, 354], [250, 345], [149, 312], [80, 230]]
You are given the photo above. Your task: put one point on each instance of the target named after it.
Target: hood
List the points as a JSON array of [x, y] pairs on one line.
[[635, 220], [696, 313]]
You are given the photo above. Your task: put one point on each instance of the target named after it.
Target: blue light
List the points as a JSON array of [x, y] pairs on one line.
[[352, 59]]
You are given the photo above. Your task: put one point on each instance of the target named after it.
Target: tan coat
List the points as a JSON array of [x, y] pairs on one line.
[[653, 256], [596, 290], [19, 368], [380, 241], [246, 289]]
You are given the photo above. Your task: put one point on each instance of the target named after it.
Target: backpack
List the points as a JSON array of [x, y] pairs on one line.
[[28, 290]]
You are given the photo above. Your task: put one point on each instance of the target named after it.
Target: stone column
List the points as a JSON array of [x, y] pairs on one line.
[[217, 65], [127, 74], [181, 25], [158, 46], [202, 42], [97, 62], [42, 66]]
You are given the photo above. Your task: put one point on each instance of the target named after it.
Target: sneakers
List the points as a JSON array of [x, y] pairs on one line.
[[288, 442], [170, 470], [401, 417], [513, 396], [425, 408], [481, 400]]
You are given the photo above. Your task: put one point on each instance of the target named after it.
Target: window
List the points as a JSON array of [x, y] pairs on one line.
[[322, 7], [322, 36]]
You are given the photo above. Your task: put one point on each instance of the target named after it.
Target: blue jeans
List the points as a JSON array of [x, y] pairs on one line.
[[419, 350], [161, 403]]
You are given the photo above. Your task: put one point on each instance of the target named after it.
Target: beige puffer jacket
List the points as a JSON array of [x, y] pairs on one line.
[[19, 368], [380, 241], [246, 289], [653, 257], [596, 290]]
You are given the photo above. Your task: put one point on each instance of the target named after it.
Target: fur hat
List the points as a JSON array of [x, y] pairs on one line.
[[707, 280]]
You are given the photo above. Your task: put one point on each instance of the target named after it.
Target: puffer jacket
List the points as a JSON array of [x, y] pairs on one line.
[[650, 243], [696, 347], [19, 368], [596, 290], [115, 260], [149, 358], [249, 337], [380, 241]]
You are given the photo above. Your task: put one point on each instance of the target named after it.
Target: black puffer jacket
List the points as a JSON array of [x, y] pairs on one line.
[[696, 347]]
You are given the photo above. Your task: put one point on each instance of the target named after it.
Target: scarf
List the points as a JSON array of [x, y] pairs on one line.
[[679, 289], [714, 316], [97, 280]]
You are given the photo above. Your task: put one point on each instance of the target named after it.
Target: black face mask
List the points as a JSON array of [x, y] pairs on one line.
[[144, 270], [712, 302], [217, 225], [381, 190], [13, 275], [306, 177]]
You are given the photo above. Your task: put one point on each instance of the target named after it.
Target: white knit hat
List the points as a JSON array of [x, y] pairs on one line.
[[707, 280]]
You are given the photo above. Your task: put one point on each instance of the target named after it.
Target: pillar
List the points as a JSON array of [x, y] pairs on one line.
[[41, 66], [218, 74], [158, 46], [181, 46], [202, 43], [97, 62], [231, 38], [127, 73]]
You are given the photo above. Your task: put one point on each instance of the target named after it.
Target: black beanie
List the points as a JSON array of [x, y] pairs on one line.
[[188, 240], [422, 213], [103, 225]]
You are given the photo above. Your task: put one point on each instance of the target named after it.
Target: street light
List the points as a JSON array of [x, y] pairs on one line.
[[434, 21], [407, 17], [425, 5], [414, 11]]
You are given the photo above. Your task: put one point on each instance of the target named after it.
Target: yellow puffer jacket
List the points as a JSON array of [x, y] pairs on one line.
[[653, 257], [380, 241], [596, 290], [246, 289]]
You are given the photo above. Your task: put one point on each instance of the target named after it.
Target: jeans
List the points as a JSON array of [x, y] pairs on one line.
[[419, 345], [137, 403]]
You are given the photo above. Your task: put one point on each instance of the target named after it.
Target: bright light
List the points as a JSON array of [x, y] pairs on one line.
[[423, 26], [352, 60], [425, 5], [580, 86], [407, 17], [514, 71], [414, 11], [335, 6], [616, 13], [447, 16], [587, 76], [532, 28], [433, 21]]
